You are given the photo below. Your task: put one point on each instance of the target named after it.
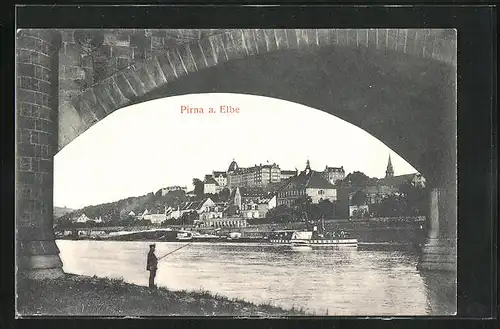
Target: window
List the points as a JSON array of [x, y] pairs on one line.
[[321, 192]]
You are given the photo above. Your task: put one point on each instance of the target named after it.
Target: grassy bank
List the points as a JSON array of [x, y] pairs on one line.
[[85, 296]]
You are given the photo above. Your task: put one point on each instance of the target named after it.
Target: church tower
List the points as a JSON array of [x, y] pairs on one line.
[[389, 172], [308, 168]]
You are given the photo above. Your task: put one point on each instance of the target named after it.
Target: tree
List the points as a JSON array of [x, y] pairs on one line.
[[224, 195], [198, 187], [359, 198], [357, 178], [303, 205], [392, 206], [187, 218], [416, 199], [282, 214]]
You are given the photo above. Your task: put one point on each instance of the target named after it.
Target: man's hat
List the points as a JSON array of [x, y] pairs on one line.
[[152, 245]]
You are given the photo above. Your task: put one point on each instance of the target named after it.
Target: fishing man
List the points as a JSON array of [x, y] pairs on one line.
[[152, 265]]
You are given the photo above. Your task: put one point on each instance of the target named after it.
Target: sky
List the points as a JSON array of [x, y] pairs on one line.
[[142, 148]]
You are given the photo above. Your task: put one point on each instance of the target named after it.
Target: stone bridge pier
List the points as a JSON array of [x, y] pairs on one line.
[[36, 143], [440, 250]]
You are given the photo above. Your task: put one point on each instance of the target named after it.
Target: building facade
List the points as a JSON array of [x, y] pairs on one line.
[[334, 174], [285, 174], [256, 176], [165, 190], [308, 183], [220, 177], [210, 185]]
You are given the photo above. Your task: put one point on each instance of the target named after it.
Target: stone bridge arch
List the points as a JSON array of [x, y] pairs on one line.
[[411, 108]]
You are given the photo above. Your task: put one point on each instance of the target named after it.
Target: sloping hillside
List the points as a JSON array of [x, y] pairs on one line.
[[61, 211], [154, 203]]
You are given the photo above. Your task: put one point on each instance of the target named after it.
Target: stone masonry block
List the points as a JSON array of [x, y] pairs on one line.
[[37, 232], [73, 51], [42, 125], [392, 39], [124, 87], [134, 80], [218, 48], [121, 63], [249, 42], [69, 84], [186, 57], [25, 164], [165, 66], [104, 98], [157, 43], [419, 43], [117, 39], [40, 111], [429, 46], [259, 40], [26, 177], [45, 166], [65, 59], [25, 123], [24, 109], [362, 38], [383, 38], [153, 69], [25, 69], [334, 36], [281, 38], [67, 35], [270, 40], [342, 35], [324, 37], [42, 73], [352, 38], [41, 98], [410, 41], [401, 40], [144, 76], [372, 38], [301, 37], [37, 247], [175, 64], [197, 55], [91, 98], [73, 73], [34, 43], [233, 43], [139, 40], [235, 48], [93, 113], [118, 51], [312, 37], [114, 92]]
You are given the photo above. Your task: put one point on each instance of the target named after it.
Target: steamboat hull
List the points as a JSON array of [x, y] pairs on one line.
[[352, 243]]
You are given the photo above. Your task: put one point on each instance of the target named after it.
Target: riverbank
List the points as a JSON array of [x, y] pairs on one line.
[[86, 296]]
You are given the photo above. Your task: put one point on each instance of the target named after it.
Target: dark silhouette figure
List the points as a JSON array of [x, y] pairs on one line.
[[152, 265]]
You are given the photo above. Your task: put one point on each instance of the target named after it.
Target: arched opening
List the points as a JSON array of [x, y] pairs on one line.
[[405, 101]]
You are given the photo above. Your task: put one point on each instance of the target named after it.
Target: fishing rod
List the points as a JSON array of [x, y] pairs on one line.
[[175, 250]]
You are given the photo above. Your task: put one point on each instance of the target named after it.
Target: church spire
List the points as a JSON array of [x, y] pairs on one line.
[[389, 171], [308, 167]]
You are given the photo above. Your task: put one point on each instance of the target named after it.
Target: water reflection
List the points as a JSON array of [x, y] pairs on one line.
[[340, 282]]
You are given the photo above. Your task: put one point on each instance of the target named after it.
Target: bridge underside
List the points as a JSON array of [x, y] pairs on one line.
[[405, 102]]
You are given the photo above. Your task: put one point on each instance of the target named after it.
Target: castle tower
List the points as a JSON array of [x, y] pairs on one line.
[[389, 172]]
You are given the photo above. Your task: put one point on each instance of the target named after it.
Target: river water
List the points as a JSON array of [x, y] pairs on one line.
[[340, 282]]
